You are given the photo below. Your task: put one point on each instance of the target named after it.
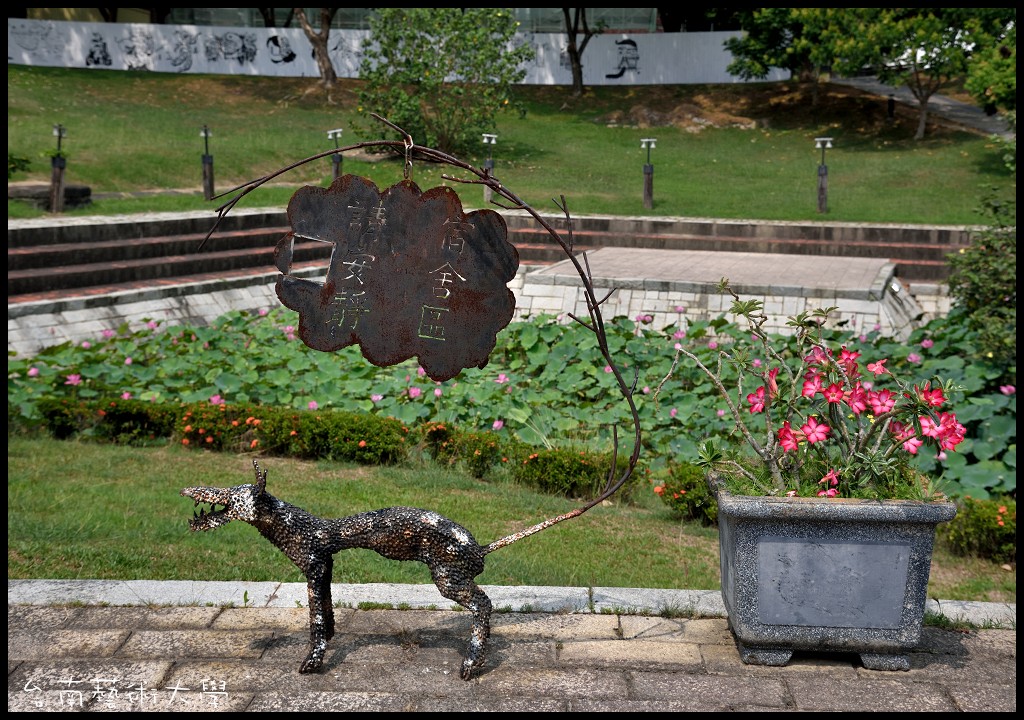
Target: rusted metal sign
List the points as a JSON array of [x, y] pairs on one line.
[[411, 274]]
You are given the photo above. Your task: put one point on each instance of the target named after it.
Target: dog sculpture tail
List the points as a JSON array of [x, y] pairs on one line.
[[613, 486]]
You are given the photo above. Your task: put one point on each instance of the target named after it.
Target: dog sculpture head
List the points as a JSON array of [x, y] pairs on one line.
[[236, 503]]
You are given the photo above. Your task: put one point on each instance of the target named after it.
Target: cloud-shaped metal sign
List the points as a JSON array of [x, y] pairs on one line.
[[411, 274]]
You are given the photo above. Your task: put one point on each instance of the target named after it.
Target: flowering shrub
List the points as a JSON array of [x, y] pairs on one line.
[[983, 528], [687, 495], [825, 421]]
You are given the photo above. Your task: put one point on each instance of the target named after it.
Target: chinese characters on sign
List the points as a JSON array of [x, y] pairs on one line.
[[411, 274], [70, 693]]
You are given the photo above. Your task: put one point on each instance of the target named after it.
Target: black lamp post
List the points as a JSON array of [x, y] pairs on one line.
[[823, 143], [648, 143], [489, 140], [335, 135], [57, 165], [207, 163]]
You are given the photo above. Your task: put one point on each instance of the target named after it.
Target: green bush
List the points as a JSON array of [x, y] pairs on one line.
[[983, 528], [983, 286], [479, 453], [16, 164], [134, 422], [571, 472], [687, 495]]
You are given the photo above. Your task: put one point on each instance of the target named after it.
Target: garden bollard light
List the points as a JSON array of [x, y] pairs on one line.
[[823, 143], [207, 164], [57, 165], [489, 139], [648, 143], [335, 135]]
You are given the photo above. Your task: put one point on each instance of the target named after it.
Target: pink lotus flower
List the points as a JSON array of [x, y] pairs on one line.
[[73, 379], [313, 405], [415, 392], [498, 425], [33, 371]]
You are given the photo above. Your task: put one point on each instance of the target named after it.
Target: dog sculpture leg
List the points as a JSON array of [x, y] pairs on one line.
[[321, 612], [471, 597]]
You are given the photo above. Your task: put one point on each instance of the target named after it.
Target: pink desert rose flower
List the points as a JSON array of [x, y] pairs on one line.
[[756, 400], [815, 431], [878, 368]]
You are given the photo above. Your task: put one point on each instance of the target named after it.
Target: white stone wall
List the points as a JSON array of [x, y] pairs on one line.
[[34, 326]]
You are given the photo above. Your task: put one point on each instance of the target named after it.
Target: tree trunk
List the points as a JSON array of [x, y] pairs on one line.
[[328, 77], [571, 28]]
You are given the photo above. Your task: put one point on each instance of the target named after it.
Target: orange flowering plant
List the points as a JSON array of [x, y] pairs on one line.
[[819, 420]]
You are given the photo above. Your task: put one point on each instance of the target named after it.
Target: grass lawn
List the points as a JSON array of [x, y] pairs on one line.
[[727, 151]]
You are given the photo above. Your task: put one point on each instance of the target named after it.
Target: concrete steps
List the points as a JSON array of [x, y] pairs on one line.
[[47, 261]]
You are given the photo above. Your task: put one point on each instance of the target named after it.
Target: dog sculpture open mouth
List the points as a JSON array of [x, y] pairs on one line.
[[204, 520]]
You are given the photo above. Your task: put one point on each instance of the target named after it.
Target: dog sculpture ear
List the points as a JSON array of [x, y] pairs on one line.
[[261, 477]]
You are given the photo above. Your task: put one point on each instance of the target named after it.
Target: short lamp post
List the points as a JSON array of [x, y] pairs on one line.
[[207, 163], [335, 135], [823, 144], [648, 143], [58, 163], [489, 140]]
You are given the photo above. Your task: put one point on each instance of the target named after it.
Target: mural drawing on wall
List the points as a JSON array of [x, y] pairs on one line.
[[138, 49], [231, 46], [280, 49], [629, 58], [98, 54]]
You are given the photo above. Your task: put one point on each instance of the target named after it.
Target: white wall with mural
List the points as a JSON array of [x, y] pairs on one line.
[[610, 59]]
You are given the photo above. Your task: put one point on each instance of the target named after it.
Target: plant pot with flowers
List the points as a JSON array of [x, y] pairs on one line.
[[826, 528]]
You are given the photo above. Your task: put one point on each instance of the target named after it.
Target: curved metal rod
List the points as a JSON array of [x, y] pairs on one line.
[[482, 177]]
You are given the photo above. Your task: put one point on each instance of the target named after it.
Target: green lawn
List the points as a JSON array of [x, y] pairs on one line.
[[141, 131]]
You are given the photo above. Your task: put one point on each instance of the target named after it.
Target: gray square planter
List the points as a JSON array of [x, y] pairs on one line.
[[826, 575]]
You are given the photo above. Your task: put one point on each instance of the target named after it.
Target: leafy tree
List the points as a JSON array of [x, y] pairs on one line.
[[922, 48], [992, 72], [792, 39], [318, 39], [573, 25], [441, 74]]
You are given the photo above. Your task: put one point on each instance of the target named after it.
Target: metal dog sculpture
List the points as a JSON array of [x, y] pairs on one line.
[[397, 533]]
